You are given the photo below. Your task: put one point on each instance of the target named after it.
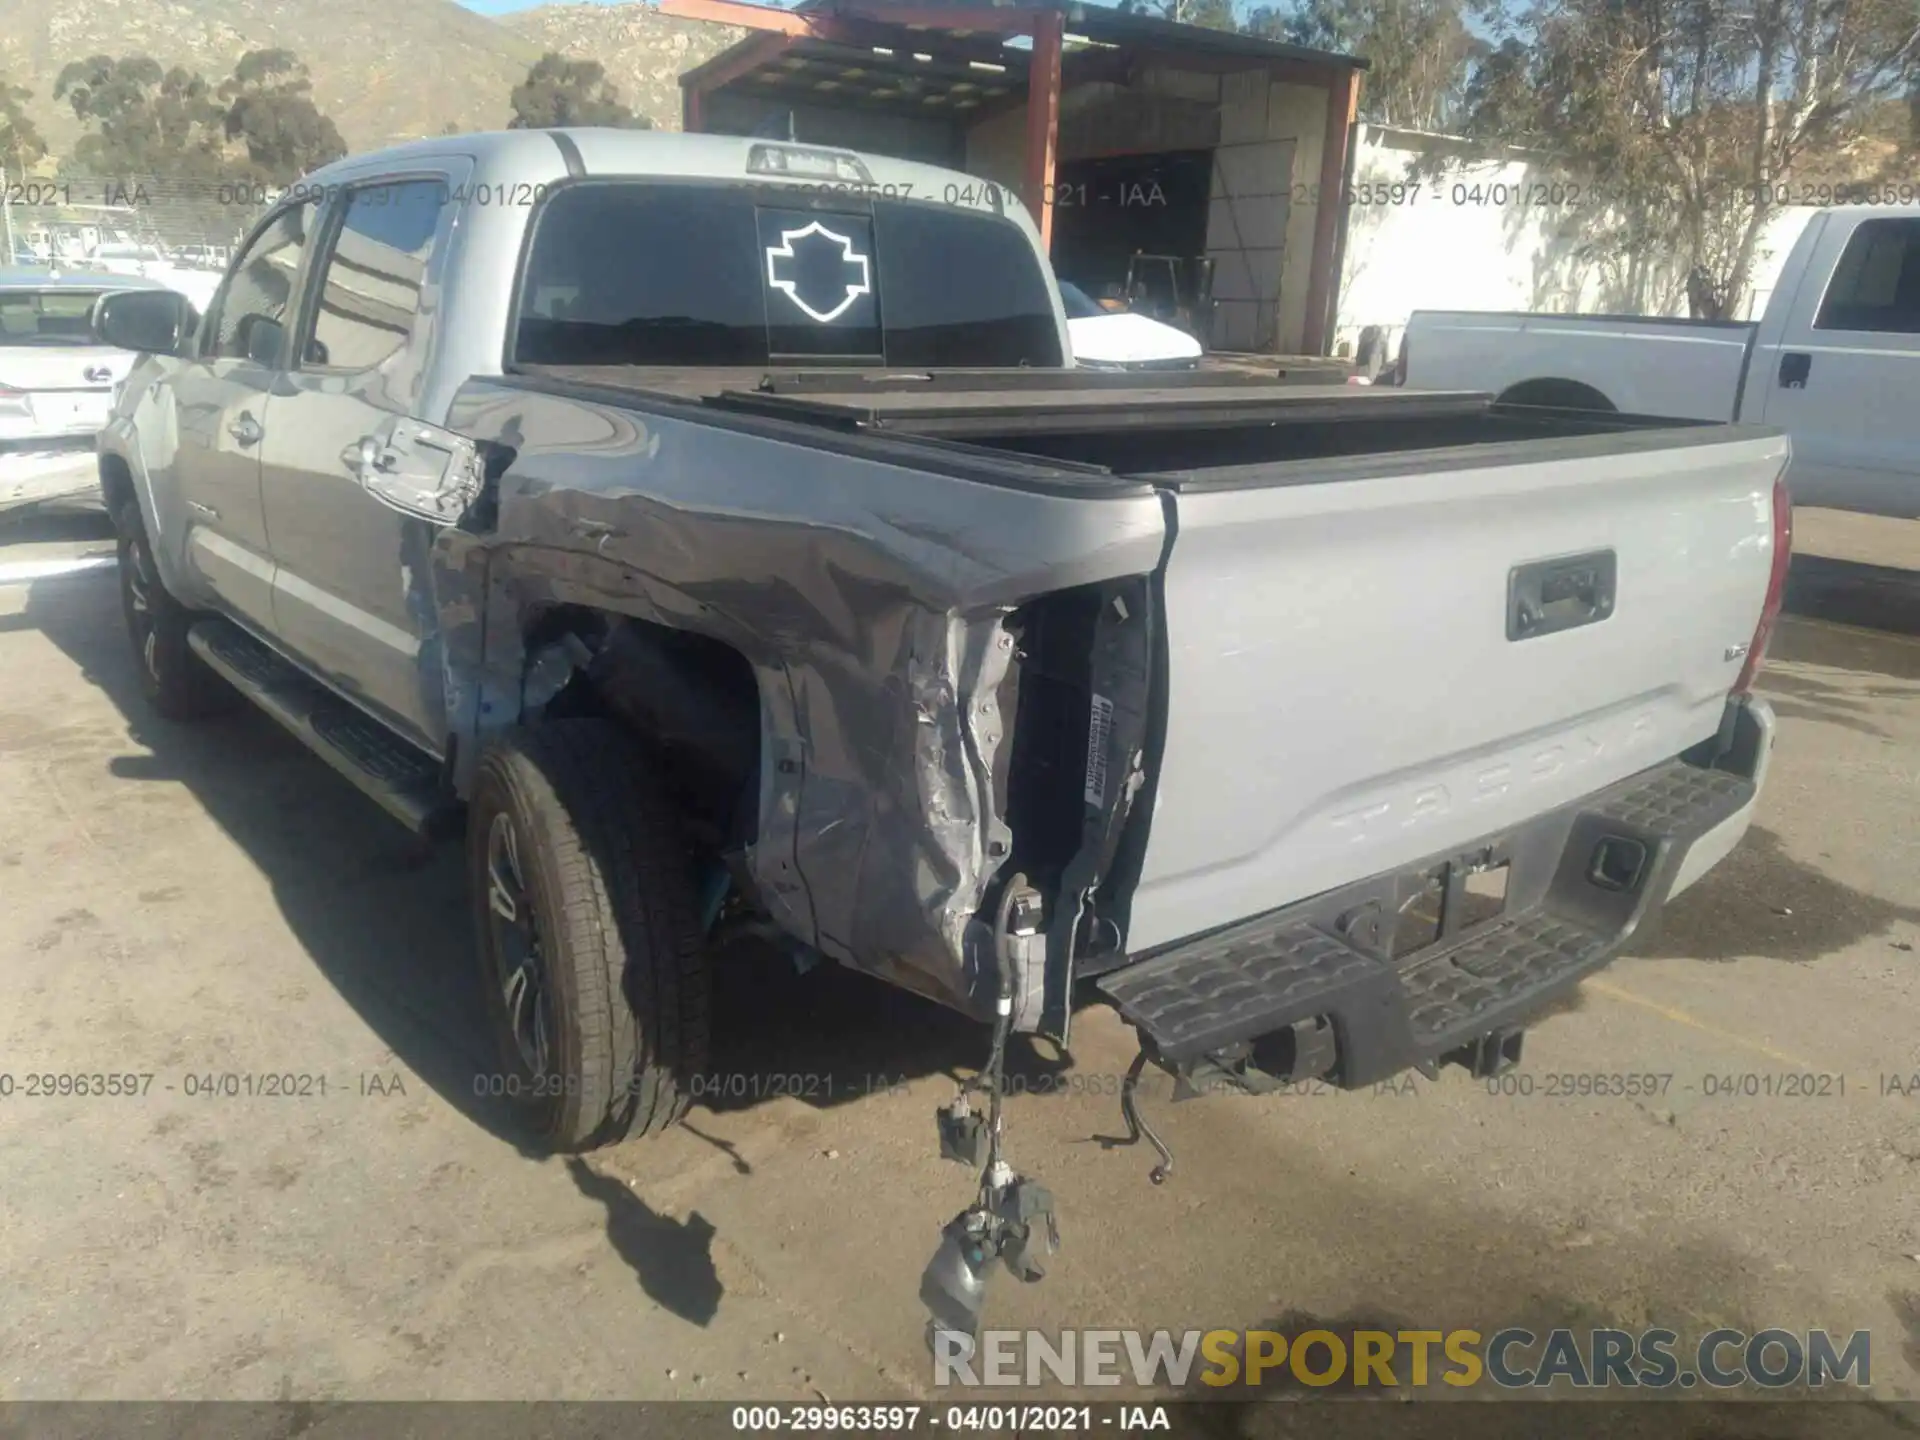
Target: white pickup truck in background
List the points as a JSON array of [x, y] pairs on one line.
[[1834, 361]]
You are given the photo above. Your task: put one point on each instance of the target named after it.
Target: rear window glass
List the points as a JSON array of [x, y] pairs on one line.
[[46, 317], [623, 273]]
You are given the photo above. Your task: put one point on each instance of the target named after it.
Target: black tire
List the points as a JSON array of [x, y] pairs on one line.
[[174, 680], [607, 1025]]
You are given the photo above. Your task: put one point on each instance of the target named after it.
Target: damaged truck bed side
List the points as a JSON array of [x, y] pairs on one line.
[[720, 527]]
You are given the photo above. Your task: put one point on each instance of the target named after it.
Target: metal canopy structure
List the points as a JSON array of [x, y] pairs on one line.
[[967, 60]]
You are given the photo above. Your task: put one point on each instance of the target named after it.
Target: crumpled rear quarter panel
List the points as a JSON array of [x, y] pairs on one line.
[[870, 598]]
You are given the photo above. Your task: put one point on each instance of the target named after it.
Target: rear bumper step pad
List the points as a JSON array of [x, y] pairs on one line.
[[1581, 883]]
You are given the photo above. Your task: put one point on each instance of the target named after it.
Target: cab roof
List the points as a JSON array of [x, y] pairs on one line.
[[608, 151]]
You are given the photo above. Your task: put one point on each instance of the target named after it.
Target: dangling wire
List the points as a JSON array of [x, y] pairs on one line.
[[995, 1073], [1137, 1124]]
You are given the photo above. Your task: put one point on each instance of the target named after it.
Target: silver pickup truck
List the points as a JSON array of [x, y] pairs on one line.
[[716, 531]]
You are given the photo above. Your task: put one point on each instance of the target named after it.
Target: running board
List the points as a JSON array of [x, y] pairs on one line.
[[402, 780]]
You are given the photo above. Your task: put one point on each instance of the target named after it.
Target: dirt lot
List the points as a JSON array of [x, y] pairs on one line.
[[192, 902]]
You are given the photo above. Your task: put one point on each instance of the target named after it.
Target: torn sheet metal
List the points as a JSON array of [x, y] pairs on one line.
[[869, 596]]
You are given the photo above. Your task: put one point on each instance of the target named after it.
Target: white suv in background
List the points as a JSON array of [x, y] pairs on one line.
[[56, 385]]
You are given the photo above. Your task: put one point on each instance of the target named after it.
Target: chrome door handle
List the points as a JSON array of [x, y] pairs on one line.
[[246, 430], [206, 510]]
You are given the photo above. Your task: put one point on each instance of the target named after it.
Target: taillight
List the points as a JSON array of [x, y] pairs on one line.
[[1776, 586], [1400, 362]]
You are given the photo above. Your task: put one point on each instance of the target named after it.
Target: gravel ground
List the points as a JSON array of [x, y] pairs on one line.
[[183, 902]]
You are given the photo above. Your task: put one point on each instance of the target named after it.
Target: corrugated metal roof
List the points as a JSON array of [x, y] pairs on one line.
[[1105, 24], [912, 74]]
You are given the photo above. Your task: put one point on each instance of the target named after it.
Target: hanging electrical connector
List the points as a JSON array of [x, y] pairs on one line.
[[1012, 1218]]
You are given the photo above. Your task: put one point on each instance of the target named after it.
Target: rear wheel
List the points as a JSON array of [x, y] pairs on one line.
[[590, 943], [174, 679]]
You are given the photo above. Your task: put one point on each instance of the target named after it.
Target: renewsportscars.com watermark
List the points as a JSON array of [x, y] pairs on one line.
[[1510, 1359]]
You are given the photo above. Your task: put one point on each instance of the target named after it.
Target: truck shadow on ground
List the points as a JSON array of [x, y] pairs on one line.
[[1848, 592], [673, 1259], [384, 920], [1440, 1262], [1887, 661], [832, 1036], [1803, 694], [384, 917], [381, 915], [1850, 678], [1762, 902], [1538, 1278]]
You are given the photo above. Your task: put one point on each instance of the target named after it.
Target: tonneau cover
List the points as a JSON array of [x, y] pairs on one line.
[[1002, 409]]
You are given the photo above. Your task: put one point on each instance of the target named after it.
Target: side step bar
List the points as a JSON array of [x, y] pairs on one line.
[[402, 780]]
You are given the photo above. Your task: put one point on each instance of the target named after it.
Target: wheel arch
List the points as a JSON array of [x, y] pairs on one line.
[[691, 698], [1556, 393]]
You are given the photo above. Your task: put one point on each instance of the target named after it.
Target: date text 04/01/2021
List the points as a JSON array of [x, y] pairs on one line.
[[920, 1419]]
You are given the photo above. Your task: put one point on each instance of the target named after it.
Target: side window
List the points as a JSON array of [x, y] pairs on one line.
[[371, 284], [1876, 285], [260, 288]]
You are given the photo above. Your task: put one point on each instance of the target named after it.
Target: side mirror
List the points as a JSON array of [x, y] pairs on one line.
[[264, 340], [148, 322]]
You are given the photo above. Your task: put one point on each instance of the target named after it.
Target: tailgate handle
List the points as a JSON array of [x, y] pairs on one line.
[[1550, 595]]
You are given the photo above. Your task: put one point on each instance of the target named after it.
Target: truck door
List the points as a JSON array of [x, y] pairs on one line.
[[220, 405], [351, 578], [1846, 372]]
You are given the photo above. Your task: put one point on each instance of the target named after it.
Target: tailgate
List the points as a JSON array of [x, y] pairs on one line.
[[1343, 693]]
